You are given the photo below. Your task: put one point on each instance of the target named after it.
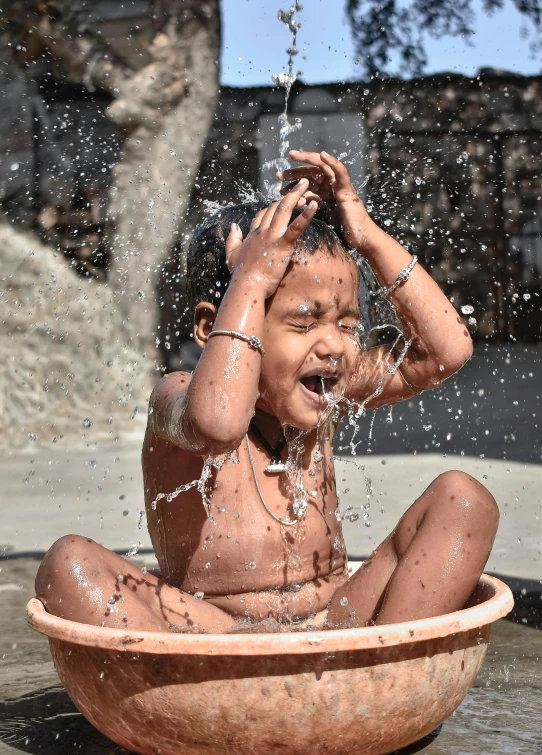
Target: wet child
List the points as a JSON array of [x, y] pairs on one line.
[[274, 292]]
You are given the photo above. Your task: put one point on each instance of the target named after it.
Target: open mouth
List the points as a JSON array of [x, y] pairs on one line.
[[319, 388]]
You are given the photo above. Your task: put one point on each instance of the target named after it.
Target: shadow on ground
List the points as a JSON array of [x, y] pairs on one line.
[[46, 722]]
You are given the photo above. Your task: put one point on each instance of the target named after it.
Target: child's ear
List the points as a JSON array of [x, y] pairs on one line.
[[204, 318]]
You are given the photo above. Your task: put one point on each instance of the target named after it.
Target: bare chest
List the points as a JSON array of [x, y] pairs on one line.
[[247, 542]]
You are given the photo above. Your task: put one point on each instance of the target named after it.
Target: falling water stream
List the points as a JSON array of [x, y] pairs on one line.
[[286, 80]]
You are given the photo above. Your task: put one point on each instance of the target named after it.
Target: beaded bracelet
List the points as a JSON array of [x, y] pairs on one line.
[[253, 341], [403, 276]]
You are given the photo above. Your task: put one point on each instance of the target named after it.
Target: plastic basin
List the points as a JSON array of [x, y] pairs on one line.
[[370, 691]]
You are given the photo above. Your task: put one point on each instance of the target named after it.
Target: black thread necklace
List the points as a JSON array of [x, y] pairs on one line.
[[277, 465]]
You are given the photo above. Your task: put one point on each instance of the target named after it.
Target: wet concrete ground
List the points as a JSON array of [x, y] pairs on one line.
[[500, 716]]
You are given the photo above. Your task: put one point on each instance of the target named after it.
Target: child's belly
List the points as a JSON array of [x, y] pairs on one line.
[[299, 601], [246, 561]]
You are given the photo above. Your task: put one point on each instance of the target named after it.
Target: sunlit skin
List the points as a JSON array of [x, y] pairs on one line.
[[241, 564]]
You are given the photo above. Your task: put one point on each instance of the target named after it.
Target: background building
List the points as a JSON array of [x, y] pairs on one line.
[[451, 166]]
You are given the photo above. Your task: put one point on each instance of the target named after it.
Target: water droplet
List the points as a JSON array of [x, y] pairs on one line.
[[142, 295], [467, 309], [317, 456], [91, 463], [199, 595], [252, 564], [32, 436], [343, 601], [87, 422]]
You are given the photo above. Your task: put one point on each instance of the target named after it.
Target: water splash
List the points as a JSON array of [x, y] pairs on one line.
[[210, 463], [286, 80]]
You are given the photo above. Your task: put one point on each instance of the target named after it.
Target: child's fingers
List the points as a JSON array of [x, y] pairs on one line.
[[283, 211], [235, 238], [315, 184], [267, 216], [314, 159], [312, 172], [297, 226], [257, 219], [300, 156], [307, 197], [287, 189], [342, 178]]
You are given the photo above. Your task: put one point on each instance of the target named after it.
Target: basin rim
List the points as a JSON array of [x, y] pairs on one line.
[[499, 604]]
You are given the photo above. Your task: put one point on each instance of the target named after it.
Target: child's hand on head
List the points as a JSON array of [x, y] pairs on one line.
[[329, 183], [263, 256]]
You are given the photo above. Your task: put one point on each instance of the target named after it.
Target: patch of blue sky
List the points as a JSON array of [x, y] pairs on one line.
[[254, 44]]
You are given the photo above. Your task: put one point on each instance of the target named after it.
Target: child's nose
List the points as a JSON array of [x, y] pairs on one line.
[[331, 344]]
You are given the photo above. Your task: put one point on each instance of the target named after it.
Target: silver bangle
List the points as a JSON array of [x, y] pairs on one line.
[[403, 276], [253, 341], [170, 425]]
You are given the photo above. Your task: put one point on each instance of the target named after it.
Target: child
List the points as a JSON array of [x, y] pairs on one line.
[[276, 315]]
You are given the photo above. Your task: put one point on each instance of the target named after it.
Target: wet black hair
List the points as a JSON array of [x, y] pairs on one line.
[[207, 274]]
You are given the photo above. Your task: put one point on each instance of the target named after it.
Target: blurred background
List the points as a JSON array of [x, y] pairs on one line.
[[123, 123]]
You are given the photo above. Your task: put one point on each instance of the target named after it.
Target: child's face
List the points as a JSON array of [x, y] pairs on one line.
[[310, 338]]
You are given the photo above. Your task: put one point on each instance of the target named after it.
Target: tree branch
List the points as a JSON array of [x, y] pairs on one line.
[[84, 59]]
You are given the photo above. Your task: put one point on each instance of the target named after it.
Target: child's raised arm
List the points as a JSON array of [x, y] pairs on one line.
[[211, 415], [440, 342]]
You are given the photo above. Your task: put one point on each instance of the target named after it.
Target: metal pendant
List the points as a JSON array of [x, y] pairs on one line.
[[276, 467]]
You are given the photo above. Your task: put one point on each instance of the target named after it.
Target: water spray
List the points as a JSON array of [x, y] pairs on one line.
[[286, 80]]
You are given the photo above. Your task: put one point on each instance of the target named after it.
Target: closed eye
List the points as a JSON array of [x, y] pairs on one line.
[[303, 327], [350, 327]]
